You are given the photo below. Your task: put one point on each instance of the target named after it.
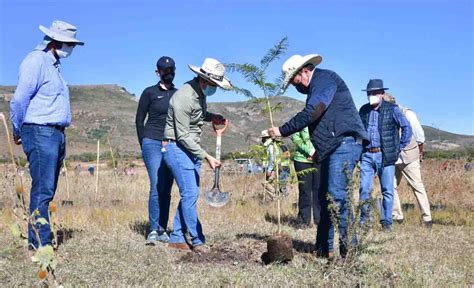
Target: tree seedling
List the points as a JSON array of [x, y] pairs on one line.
[[279, 246]]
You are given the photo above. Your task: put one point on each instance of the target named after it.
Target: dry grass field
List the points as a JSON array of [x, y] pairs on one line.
[[102, 241]]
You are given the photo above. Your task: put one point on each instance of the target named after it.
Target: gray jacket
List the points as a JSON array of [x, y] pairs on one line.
[[186, 115]]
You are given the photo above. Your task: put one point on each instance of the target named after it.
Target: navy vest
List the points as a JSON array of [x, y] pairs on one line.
[[388, 130], [339, 120]]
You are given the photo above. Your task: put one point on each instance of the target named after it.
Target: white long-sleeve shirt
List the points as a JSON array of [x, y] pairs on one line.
[[416, 128]]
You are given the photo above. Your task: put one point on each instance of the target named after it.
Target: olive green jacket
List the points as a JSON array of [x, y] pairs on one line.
[[186, 115]]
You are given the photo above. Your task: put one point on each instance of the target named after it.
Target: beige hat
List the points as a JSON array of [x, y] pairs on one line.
[[295, 63], [213, 71]]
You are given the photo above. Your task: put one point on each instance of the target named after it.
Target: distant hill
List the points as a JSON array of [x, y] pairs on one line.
[[109, 110]]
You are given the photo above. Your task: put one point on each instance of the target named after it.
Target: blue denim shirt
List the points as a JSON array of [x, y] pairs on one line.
[[42, 95], [400, 120]]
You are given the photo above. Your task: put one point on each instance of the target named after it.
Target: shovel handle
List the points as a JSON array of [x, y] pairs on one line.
[[220, 131], [217, 176]]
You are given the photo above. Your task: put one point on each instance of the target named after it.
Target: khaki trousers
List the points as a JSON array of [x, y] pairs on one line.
[[412, 173]]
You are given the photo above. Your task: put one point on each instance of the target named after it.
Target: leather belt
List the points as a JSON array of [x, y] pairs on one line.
[[57, 127], [374, 150]]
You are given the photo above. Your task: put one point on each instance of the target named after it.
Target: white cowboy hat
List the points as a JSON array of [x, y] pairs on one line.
[[295, 63], [213, 71], [60, 31]]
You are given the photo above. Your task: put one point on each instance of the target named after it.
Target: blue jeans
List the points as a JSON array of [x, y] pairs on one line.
[[370, 164], [336, 172], [161, 181], [185, 168], [45, 149]]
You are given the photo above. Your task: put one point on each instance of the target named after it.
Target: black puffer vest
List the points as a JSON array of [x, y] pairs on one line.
[[339, 120]]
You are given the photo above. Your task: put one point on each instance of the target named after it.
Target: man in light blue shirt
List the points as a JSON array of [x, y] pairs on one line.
[[40, 111]]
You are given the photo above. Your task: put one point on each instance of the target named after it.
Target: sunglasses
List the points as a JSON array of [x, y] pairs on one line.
[[73, 44]]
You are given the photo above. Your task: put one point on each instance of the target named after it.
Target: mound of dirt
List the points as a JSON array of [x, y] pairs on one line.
[[279, 249], [224, 254]]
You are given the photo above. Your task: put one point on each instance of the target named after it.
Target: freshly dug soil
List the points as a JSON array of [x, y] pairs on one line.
[[279, 249], [225, 254]]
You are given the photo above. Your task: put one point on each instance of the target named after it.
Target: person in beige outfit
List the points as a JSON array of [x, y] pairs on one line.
[[408, 166]]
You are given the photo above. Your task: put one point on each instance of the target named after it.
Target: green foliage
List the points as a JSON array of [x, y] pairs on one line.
[[274, 53], [257, 75], [44, 256], [41, 221], [98, 133], [84, 157], [448, 154], [16, 230]]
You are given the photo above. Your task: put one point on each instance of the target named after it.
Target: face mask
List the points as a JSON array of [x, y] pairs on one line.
[[374, 100], [65, 51], [302, 89], [167, 78], [209, 90]]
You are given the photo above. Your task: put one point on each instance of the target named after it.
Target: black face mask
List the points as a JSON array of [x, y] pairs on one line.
[[302, 89], [167, 78]]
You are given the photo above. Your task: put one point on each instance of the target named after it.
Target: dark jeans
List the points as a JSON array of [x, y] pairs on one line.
[[308, 186], [336, 172], [45, 149], [161, 181]]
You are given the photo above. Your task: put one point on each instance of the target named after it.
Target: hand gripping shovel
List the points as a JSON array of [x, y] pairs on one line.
[[215, 197]]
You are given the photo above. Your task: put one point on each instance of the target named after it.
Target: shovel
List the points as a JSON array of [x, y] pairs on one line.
[[215, 197]]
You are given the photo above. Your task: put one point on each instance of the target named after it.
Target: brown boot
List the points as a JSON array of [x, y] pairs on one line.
[[179, 246], [201, 249]]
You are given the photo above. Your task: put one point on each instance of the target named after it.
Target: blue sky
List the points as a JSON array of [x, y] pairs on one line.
[[422, 49]]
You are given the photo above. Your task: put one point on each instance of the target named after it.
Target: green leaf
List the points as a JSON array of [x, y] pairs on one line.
[[274, 53], [53, 264], [15, 229], [41, 221], [44, 256]]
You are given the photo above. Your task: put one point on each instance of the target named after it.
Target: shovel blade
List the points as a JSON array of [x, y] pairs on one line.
[[216, 198]]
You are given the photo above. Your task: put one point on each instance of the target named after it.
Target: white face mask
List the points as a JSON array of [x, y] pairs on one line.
[[374, 99], [65, 51]]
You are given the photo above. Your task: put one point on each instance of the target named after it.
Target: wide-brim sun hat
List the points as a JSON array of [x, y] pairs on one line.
[[294, 64], [214, 71], [60, 31]]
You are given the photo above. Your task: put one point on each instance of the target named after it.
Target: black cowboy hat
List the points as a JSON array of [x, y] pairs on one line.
[[375, 84]]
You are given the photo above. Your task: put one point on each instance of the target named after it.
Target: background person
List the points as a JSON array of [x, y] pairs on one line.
[[307, 171], [408, 167], [153, 106]]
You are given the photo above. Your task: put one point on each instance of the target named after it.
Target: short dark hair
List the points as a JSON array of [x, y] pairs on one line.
[[309, 66]]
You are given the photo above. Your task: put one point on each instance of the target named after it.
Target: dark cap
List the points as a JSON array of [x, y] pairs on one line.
[[165, 62]]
